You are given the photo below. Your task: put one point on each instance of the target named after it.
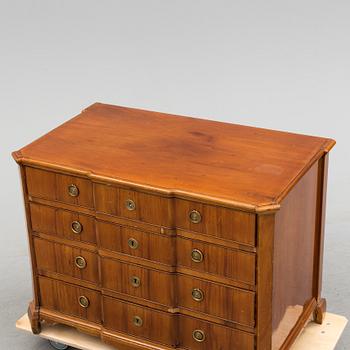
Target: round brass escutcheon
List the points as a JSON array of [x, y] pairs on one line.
[[73, 190], [197, 294], [84, 301], [197, 256], [133, 243], [195, 216], [137, 321], [135, 281], [76, 227], [80, 262], [130, 204], [198, 335]]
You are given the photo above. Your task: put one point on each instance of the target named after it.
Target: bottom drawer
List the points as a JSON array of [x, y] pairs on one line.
[[70, 300], [139, 321], [197, 334]]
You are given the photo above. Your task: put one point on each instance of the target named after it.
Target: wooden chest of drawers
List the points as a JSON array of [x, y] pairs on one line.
[[156, 232]]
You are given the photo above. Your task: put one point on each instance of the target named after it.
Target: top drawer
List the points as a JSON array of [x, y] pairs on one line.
[[58, 187], [134, 205], [216, 221]]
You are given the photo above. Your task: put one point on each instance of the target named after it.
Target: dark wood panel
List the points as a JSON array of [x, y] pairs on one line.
[[154, 325], [118, 238], [232, 304], [154, 285], [233, 264], [64, 297], [148, 208], [58, 222], [217, 221], [294, 256], [216, 337], [60, 258], [54, 186]]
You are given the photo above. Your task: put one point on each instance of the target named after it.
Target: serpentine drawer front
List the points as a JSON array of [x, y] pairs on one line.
[[159, 232]]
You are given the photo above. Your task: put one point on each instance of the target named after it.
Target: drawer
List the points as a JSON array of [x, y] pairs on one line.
[[149, 284], [134, 242], [62, 223], [134, 205], [210, 258], [70, 300], [200, 335], [232, 304], [66, 260], [216, 221], [58, 187], [139, 321]]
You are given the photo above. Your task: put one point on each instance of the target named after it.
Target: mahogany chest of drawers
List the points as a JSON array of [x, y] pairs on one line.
[[161, 232]]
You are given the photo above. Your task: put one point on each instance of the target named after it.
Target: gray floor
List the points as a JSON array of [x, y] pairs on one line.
[[275, 64]]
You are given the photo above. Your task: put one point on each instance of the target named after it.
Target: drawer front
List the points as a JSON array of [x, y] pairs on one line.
[[139, 321], [66, 260], [216, 221], [200, 335], [137, 281], [228, 303], [134, 242], [213, 259], [58, 187], [134, 205], [70, 300], [62, 223]]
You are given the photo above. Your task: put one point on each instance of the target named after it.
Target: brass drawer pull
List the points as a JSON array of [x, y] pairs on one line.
[[195, 216], [198, 335], [197, 294], [80, 262], [133, 243], [137, 321], [130, 204], [197, 256], [76, 227], [135, 281], [84, 301], [73, 190]]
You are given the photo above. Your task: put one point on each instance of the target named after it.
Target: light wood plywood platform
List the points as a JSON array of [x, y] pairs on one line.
[[313, 337]]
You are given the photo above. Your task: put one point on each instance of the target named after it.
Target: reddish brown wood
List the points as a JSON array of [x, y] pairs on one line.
[[149, 246], [54, 186], [261, 199], [216, 337], [217, 221], [153, 325], [232, 304], [234, 264], [58, 222], [184, 155], [154, 285]]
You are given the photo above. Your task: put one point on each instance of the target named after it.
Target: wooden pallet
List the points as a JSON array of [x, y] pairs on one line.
[[314, 336]]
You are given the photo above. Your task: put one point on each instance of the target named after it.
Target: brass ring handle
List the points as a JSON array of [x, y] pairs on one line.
[[137, 321], [73, 190], [130, 204], [135, 281], [197, 256], [133, 243], [84, 301], [76, 227], [195, 216], [80, 262], [198, 335], [197, 294]]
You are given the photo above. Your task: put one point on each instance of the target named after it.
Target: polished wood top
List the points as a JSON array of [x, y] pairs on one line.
[[247, 167]]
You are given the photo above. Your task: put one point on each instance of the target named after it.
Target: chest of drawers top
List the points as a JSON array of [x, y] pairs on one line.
[[239, 166]]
